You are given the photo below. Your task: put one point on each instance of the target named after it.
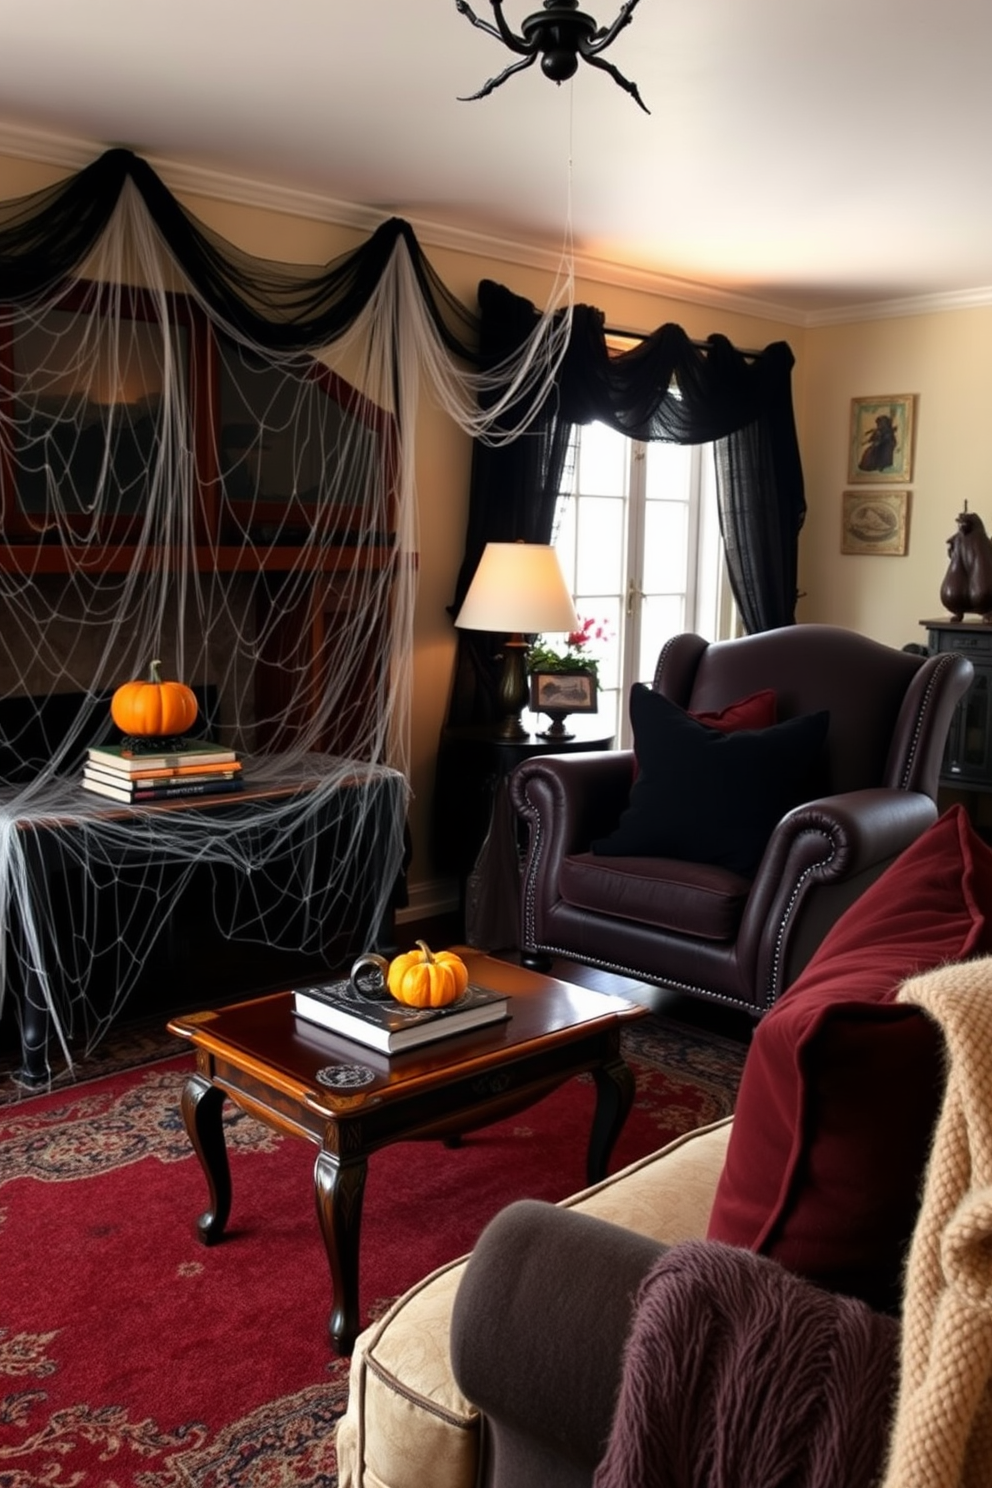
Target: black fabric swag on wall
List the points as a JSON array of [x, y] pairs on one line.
[[45, 237], [740, 402], [743, 403]]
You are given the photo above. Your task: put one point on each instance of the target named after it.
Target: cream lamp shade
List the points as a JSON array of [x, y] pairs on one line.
[[518, 589], [518, 586]]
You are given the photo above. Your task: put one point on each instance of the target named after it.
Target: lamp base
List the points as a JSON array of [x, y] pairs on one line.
[[512, 729], [512, 691]]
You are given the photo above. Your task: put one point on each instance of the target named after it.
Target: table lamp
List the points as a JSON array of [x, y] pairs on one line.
[[518, 589]]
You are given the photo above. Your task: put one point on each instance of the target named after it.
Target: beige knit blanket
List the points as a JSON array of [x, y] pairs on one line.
[[942, 1436]]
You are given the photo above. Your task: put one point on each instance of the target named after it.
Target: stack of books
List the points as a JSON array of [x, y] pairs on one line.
[[383, 1023], [202, 769]]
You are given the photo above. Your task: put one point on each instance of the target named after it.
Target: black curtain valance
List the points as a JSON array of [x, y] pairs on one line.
[[45, 238], [665, 388]]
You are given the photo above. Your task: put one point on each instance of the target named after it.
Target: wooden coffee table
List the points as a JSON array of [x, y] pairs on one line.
[[350, 1100]]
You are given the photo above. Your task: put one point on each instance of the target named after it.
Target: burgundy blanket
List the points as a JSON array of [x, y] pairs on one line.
[[738, 1374]]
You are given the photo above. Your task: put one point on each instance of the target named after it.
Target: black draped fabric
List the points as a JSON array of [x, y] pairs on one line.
[[743, 403], [45, 238], [665, 388], [514, 492]]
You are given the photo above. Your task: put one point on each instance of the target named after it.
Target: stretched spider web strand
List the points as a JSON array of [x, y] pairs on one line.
[[104, 458]]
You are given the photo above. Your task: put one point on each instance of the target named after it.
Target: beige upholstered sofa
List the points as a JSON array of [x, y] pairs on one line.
[[407, 1423], [867, 1085]]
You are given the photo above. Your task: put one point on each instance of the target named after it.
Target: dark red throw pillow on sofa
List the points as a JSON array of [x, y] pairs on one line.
[[842, 1085]]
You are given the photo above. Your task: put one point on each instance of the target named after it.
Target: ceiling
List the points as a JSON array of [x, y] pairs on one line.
[[812, 155]]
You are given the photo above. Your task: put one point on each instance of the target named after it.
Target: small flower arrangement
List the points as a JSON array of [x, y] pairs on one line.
[[575, 658]]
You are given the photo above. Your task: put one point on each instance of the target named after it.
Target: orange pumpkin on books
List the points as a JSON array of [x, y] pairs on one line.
[[154, 709], [425, 979]]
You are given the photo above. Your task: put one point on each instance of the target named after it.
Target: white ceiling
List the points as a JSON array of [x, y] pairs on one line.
[[811, 154]]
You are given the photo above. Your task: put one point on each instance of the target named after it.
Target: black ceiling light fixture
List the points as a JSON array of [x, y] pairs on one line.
[[560, 34]]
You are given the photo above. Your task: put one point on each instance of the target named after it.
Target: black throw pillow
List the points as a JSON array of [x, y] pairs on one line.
[[709, 797]]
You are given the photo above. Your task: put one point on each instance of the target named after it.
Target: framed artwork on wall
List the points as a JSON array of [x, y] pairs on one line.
[[875, 522], [881, 439]]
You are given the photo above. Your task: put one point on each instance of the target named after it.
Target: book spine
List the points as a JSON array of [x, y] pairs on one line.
[[204, 788], [193, 776], [129, 765], [159, 772]]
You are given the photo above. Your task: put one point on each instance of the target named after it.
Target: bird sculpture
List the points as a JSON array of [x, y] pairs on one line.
[[967, 585]]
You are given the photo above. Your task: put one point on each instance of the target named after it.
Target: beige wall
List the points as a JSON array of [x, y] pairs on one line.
[[946, 360]]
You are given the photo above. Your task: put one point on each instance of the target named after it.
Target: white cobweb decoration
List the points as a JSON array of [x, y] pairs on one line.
[[173, 490]]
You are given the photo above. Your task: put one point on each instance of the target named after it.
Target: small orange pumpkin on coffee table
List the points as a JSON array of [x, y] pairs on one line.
[[425, 979]]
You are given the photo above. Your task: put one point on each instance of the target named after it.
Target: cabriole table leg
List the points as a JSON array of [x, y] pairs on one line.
[[339, 1188], [202, 1104], [614, 1098]]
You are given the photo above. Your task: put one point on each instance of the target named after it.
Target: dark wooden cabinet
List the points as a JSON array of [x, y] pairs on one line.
[[967, 763]]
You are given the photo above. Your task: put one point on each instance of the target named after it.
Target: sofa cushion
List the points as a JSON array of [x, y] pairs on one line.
[[842, 1085], [693, 898], [709, 796]]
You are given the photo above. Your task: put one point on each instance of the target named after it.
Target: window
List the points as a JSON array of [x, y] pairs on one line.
[[638, 536]]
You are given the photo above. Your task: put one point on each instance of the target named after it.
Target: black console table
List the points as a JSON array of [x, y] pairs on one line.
[[299, 822], [967, 762]]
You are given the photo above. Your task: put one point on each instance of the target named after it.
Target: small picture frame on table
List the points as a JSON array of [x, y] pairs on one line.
[[875, 522], [562, 692], [881, 439]]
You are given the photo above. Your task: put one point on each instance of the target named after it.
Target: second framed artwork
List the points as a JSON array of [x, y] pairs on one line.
[[881, 439], [875, 522]]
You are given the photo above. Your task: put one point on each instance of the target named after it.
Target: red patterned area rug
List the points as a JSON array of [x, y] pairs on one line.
[[132, 1355]]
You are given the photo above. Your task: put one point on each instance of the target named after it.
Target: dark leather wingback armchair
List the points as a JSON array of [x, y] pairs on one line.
[[705, 930]]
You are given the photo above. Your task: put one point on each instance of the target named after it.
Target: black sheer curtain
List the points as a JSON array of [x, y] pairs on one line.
[[665, 388], [513, 496]]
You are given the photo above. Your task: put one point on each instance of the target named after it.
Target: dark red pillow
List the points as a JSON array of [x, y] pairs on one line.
[[758, 711], [842, 1085]]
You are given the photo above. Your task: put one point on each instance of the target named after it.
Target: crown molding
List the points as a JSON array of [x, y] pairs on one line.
[[73, 154], [924, 304], [195, 180]]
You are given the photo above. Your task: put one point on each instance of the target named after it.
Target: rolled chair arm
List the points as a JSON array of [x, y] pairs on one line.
[[566, 801], [820, 858], [576, 796]]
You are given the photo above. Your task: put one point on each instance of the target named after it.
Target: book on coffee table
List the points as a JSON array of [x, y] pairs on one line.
[[383, 1023]]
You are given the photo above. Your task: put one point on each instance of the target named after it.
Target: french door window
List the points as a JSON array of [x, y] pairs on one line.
[[638, 536]]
